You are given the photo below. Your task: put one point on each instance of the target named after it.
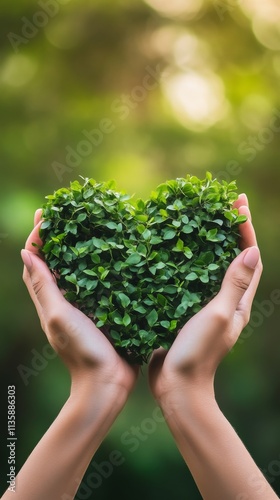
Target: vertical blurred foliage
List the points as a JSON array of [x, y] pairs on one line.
[[214, 107]]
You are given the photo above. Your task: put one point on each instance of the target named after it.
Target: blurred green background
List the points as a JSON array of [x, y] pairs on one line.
[[165, 89]]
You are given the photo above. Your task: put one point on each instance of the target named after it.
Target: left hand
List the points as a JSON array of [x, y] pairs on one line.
[[84, 349]]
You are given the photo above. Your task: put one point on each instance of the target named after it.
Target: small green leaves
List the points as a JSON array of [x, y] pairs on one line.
[[124, 300], [169, 234], [133, 259], [191, 276], [152, 317], [141, 269]]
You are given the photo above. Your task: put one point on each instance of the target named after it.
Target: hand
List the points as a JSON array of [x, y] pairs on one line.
[[84, 348], [101, 381], [182, 380], [210, 334]]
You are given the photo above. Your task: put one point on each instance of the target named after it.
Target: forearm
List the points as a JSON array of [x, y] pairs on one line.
[[57, 465], [216, 457]]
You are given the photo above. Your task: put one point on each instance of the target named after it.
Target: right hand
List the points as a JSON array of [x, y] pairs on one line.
[[207, 337]]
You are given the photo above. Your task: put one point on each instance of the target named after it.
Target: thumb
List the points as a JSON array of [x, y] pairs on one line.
[[40, 284], [238, 280]]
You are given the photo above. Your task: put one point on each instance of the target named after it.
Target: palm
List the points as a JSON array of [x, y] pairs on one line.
[[73, 335], [210, 334]]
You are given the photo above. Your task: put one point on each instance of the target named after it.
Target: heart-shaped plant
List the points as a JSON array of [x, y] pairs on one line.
[[140, 269]]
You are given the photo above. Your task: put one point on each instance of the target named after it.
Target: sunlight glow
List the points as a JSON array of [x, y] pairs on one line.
[[18, 70], [265, 20], [197, 99], [255, 111], [188, 9]]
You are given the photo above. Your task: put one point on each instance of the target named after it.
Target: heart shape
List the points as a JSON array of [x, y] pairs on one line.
[[140, 269]]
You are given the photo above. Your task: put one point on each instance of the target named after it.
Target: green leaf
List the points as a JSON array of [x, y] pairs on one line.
[[126, 320], [111, 225], [207, 258], [133, 259], [188, 253], [81, 217], [187, 229], [72, 278], [170, 289], [165, 324], [115, 335], [155, 240], [152, 317], [241, 219], [191, 276], [140, 309], [180, 245], [213, 267], [124, 299], [90, 272], [128, 264], [161, 299], [180, 311], [140, 228], [146, 234], [212, 235], [45, 224], [204, 278], [169, 234], [142, 250]]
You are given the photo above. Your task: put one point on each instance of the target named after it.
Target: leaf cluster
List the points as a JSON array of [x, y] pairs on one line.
[[141, 269]]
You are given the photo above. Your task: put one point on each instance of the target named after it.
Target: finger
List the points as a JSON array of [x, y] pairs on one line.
[[244, 210], [238, 279], [27, 281], [248, 297], [41, 286], [34, 237], [247, 233], [242, 200], [38, 216]]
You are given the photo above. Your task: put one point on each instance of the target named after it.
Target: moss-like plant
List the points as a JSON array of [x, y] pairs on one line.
[[140, 269]]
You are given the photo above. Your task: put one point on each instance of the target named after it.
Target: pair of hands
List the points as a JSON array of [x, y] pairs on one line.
[[197, 350]]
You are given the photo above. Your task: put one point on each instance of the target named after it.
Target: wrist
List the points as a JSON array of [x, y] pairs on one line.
[[89, 392], [186, 396]]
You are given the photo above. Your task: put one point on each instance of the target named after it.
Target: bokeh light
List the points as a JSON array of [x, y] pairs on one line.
[[17, 70], [211, 102], [265, 20], [197, 98], [175, 8]]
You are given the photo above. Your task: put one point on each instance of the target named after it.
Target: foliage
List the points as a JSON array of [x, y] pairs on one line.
[[140, 269]]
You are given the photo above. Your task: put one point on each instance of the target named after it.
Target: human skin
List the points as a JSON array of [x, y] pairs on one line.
[[100, 384], [182, 381]]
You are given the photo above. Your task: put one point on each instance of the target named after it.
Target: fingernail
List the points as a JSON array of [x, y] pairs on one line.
[[245, 196], [252, 257], [27, 260]]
